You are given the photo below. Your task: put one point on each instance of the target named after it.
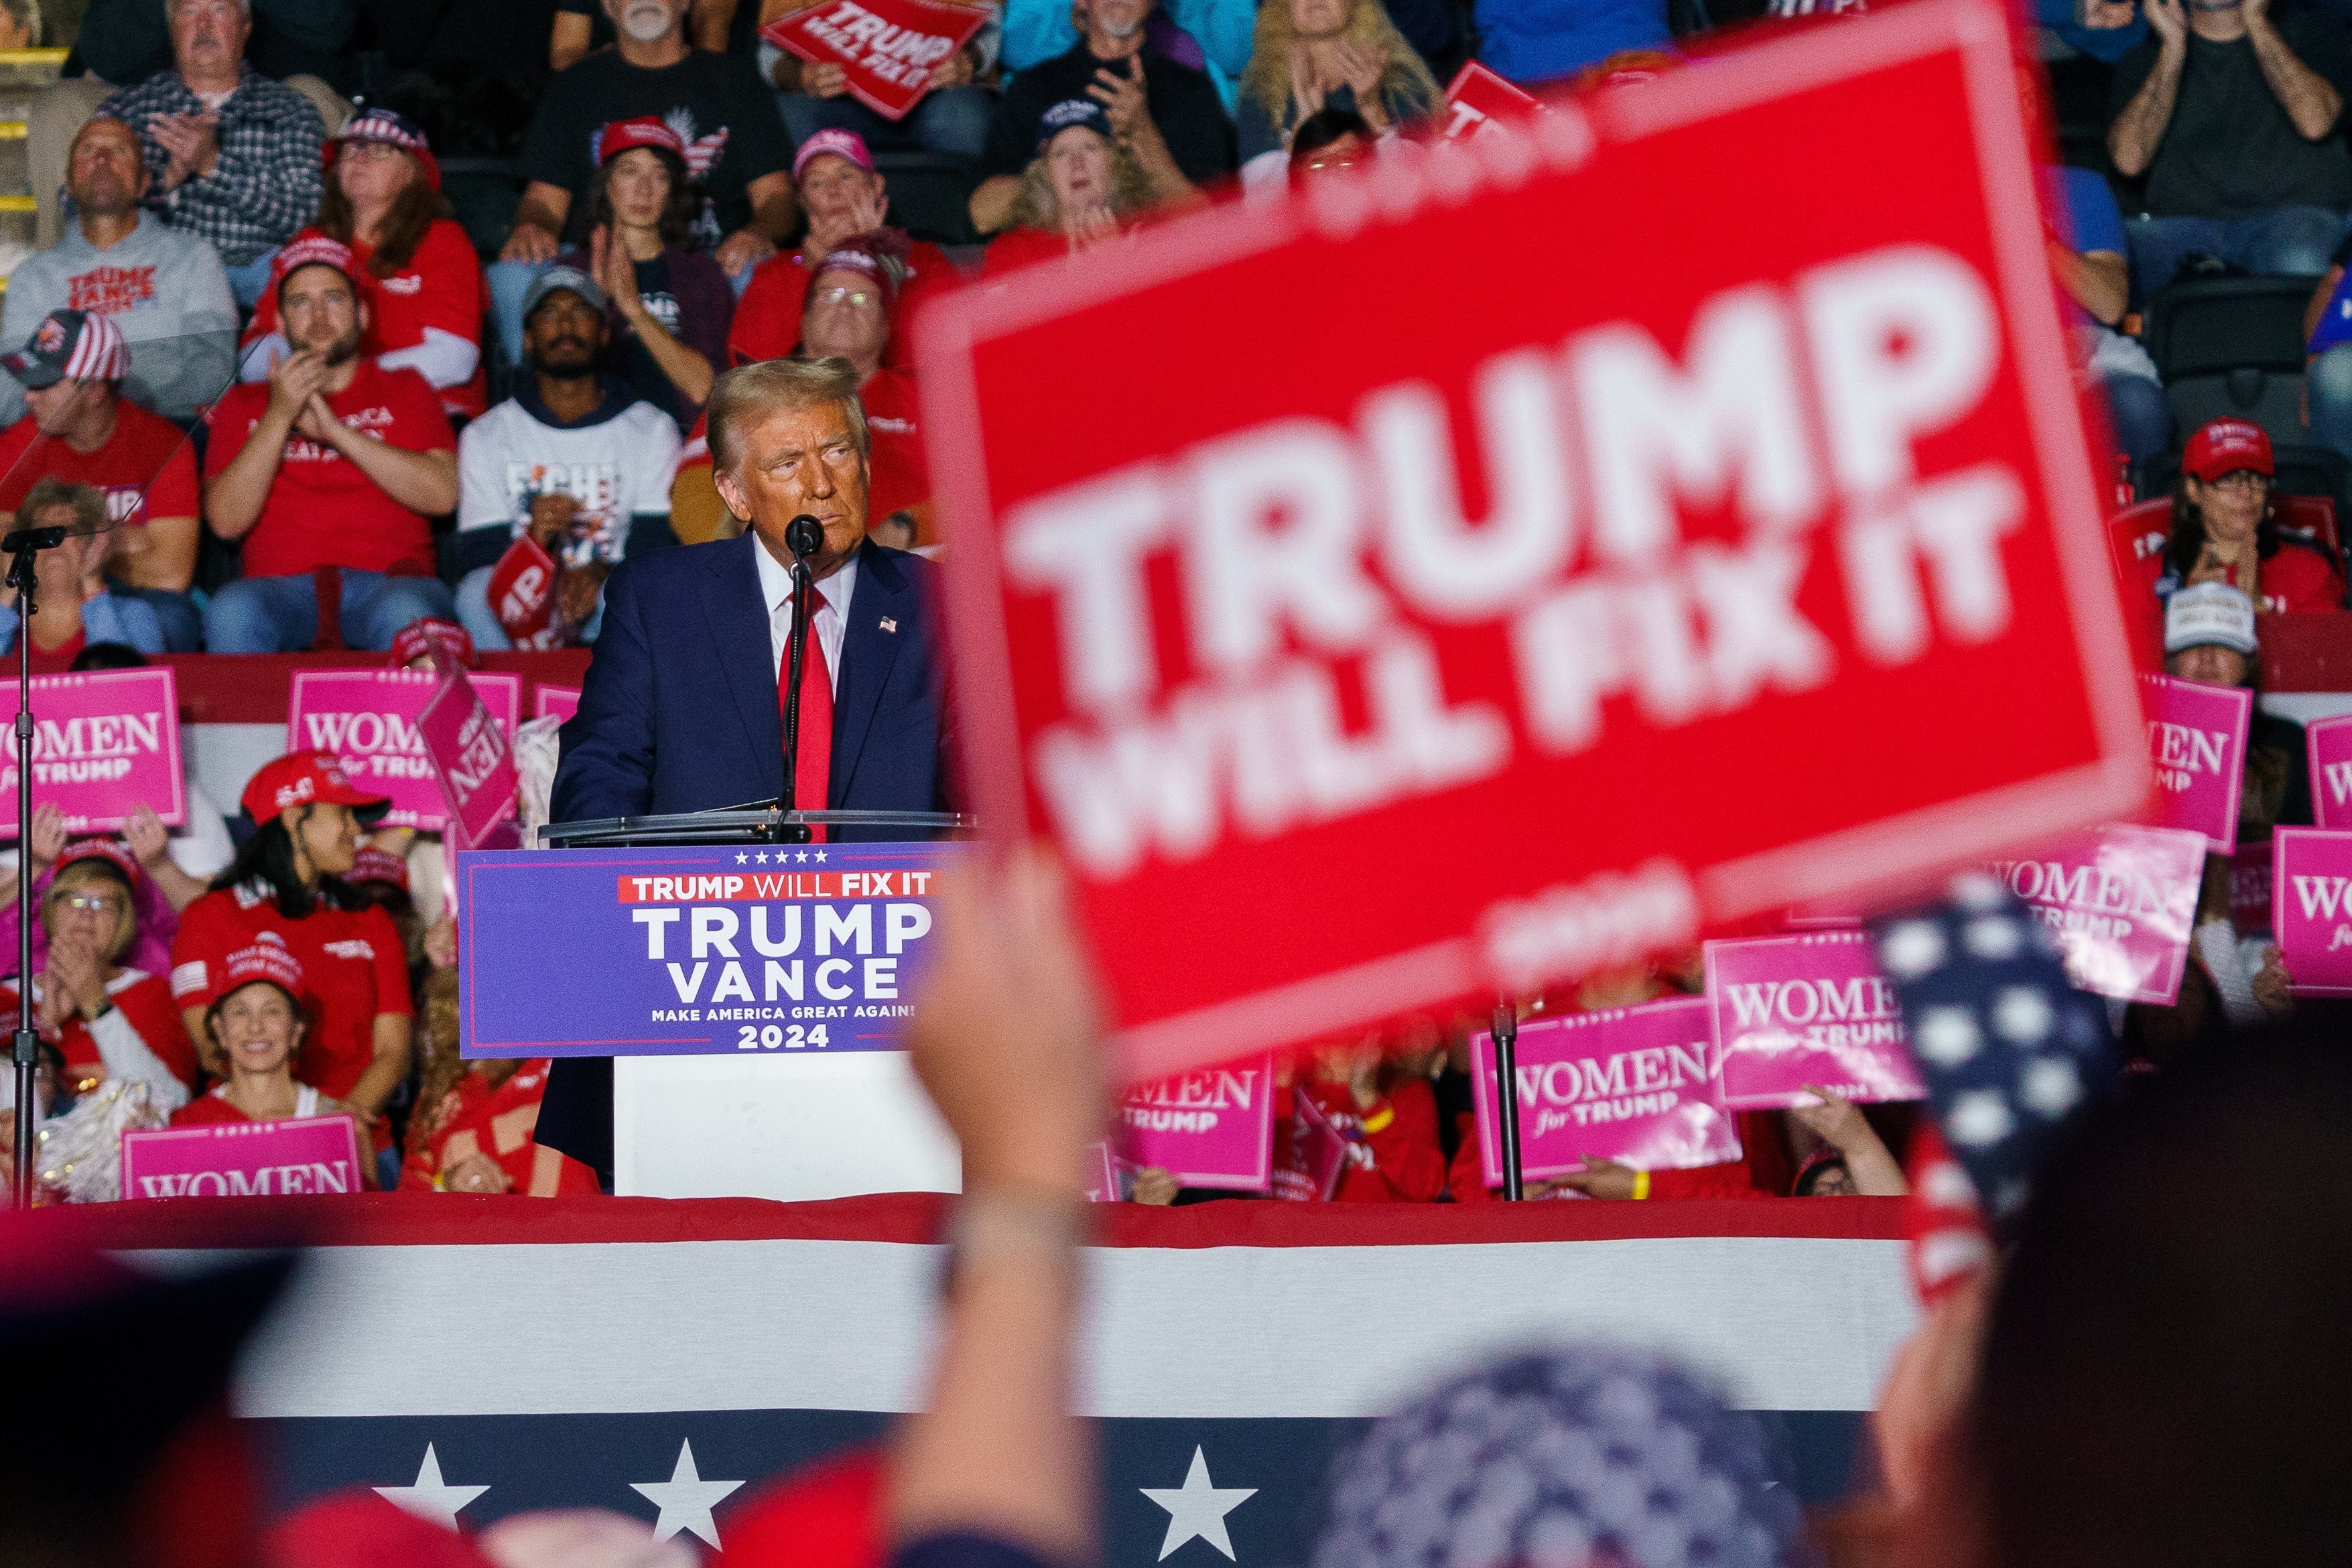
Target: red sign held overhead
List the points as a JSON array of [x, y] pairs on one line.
[[1400, 632], [1479, 100], [888, 48]]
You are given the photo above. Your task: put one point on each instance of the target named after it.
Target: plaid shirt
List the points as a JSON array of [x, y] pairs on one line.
[[264, 185]]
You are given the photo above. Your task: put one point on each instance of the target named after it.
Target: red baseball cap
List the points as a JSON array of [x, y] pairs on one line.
[[2225, 446], [312, 249], [867, 261], [112, 851], [375, 865], [267, 961], [645, 131], [300, 778], [416, 638]]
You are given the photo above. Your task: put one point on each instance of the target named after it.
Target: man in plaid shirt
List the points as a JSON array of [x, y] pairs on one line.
[[232, 156]]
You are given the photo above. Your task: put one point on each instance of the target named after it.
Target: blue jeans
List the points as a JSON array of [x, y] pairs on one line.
[[182, 616], [2141, 419], [248, 281], [952, 121], [481, 622], [2286, 240], [281, 615]]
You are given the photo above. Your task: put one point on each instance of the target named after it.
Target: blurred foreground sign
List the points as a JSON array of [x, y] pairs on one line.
[[1507, 561]]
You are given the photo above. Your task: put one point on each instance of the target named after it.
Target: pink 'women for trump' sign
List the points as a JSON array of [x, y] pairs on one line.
[[1793, 1011], [368, 719], [2329, 741], [2311, 876], [2123, 901], [468, 749], [1213, 1128], [243, 1159], [103, 744], [1636, 1085], [559, 702], [2197, 741]]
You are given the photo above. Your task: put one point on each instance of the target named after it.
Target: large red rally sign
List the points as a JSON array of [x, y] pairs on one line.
[[887, 48], [1439, 601]]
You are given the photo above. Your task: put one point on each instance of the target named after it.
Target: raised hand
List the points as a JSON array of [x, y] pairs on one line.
[[144, 831], [2169, 19], [1122, 97], [49, 835], [1835, 1121]]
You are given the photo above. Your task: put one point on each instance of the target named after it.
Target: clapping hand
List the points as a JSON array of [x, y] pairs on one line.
[[190, 144]]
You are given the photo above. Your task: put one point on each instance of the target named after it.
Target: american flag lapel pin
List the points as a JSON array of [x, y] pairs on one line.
[[888, 625]]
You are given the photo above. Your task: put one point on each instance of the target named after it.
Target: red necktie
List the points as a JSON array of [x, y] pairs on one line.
[[813, 769]]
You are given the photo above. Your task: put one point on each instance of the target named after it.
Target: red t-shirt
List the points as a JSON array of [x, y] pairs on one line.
[[352, 962], [898, 475], [322, 511], [1393, 1156], [145, 1002], [2297, 577], [147, 453], [767, 322], [441, 287], [475, 1119]]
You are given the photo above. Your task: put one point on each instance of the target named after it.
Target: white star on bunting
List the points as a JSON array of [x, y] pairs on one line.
[[1198, 1508], [431, 1498], [685, 1500]]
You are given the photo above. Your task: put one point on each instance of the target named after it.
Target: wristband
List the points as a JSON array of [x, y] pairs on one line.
[[1380, 1121], [1641, 1186]]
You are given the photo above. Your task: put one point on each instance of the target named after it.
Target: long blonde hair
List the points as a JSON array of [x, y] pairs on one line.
[[1266, 79], [1131, 188]]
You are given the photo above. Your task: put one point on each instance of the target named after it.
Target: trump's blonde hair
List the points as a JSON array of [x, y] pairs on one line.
[[749, 391]]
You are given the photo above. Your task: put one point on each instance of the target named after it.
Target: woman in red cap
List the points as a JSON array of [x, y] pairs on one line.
[[2225, 528], [668, 306], [418, 275], [106, 1020], [260, 1018], [286, 885]]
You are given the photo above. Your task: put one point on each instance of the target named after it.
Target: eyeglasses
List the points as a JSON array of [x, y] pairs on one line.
[[2244, 480], [861, 298], [363, 151], [93, 903]]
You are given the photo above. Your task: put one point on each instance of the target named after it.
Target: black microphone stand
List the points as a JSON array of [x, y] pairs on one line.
[[804, 536], [1507, 1068], [24, 547]]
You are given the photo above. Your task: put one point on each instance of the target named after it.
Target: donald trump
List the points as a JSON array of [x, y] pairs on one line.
[[682, 708]]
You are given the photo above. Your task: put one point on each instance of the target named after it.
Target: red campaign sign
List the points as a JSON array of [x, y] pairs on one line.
[[1642, 598], [888, 48], [1479, 100]]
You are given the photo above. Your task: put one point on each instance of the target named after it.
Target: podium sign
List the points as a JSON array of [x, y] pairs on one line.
[[742, 950]]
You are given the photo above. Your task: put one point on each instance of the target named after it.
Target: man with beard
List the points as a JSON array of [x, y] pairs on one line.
[[333, 462], [574, 460], [163, 289]]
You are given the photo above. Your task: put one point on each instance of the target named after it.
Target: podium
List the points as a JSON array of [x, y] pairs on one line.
[[792, 1120]]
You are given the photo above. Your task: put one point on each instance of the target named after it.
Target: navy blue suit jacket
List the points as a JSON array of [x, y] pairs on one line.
[[678, 713]]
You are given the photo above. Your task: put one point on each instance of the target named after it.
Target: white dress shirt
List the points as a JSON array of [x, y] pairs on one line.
[[829, 624]]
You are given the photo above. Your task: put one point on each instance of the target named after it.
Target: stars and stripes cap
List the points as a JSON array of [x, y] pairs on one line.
[[645, 131], [370, 864], [1563, 1459], [300, 778], [391, 130], [416, 640], [2009, 1050], [81, 345]]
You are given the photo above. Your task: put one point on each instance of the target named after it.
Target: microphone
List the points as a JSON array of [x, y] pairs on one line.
[[804, 536]]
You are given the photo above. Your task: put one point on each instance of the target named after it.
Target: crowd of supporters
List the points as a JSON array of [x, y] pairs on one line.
[[322, 409]]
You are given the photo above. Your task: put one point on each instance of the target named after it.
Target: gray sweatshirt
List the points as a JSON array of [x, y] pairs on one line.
[[166, 292]]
